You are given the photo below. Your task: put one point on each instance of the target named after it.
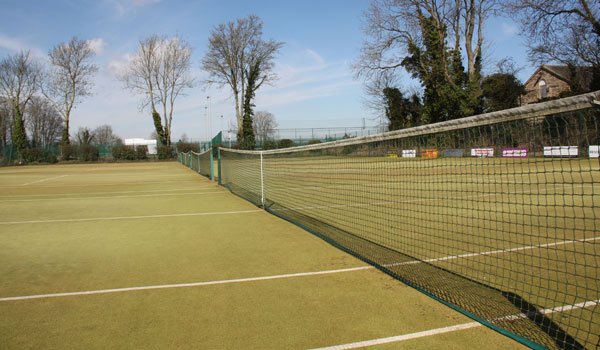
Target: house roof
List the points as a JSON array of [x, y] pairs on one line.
[[564, 73]]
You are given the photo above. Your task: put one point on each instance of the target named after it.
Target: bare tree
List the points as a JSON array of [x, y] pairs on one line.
[[393, 26], [236, 51], [44, 123], [70, 78], [264, 125], [160, 71], [566, 31], [5, 122], [19, 82], [103, 135], [84, 136]]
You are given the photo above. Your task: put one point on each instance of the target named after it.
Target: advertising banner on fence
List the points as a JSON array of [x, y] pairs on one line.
[[514, 153], [453, 153], [482, 152], [594, 152], [561, 151], [409, 153], [429, 153]]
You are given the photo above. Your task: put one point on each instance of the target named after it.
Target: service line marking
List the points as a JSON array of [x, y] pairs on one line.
[[43, 180], [114, 197], [134, 217], [300, 274], [182, 285], [21, 196]]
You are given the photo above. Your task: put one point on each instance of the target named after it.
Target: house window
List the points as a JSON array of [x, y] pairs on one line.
[[543, 89]]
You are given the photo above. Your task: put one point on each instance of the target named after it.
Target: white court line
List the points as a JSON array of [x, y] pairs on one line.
[[499, 251], [113, 197], [182, 285], [43, 180], [301, 274], [107, 184], [135, 217], [115, 192], [458, 327]]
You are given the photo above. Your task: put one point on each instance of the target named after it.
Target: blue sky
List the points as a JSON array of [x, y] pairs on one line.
[[316, 87]]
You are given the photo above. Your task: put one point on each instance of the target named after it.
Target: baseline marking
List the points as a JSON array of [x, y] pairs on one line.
[[43, 180], [454, 328], [301, 274], [135, 217]]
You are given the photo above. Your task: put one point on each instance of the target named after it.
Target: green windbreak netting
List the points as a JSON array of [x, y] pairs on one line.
[[496, 215]]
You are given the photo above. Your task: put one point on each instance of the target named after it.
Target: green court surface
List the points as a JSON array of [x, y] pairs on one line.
[[153, 256]]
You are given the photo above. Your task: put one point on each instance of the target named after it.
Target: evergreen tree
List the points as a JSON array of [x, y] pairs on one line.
[[19, 136], [158, 127], [401, 112], [247, 137], [441, 73], [501, 91]]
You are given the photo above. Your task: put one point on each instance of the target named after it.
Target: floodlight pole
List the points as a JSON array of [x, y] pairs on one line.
[[209, 122]]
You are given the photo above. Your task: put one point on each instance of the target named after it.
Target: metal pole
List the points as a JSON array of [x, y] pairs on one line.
[[262, 181]]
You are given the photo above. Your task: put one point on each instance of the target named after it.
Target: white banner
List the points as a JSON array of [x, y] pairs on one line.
[[561, 151], [409, 153], [482, 152], [594, 152]]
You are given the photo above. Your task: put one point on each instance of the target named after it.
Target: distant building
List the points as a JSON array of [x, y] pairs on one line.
[[553, 81], [151, 144]]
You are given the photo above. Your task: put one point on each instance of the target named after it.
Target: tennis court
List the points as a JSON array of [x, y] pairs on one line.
[[151, 255]]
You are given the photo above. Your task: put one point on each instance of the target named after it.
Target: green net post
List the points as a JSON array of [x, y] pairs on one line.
[[212, 170], [219, 166]]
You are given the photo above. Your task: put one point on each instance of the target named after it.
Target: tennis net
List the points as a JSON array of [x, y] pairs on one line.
[[202, 163], [497, 215]]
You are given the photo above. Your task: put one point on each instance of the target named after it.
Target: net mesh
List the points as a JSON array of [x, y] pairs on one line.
[[198, 162], [496, 215]]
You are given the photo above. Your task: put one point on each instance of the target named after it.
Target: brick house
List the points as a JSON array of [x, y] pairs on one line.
[[552, 81]]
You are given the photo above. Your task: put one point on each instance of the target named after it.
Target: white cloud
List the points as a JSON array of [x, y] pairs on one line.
[[97, 45], [117, 67], [122, 7], [138, 3], [509, 29], [16, 45], [315, 57]]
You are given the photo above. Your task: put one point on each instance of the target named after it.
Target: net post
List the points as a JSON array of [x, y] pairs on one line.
[[262, 181], [212, 170], [219, 166]]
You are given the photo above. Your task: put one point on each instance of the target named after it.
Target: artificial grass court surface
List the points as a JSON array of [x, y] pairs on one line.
[[73, 228]]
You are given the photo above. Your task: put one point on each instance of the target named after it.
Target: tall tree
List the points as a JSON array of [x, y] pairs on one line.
[[235, 50], [501, 91], [103, 135], [19, 82], [160, 71], [566, 31], [246, 137], [70, 78], [264, 125], [84, 136], [5, 122], [414, 34], [401, 112], [44, 122]]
